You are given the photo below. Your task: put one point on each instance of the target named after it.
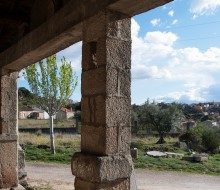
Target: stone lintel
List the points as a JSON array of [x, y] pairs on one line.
[[65, 28], [103, 169]]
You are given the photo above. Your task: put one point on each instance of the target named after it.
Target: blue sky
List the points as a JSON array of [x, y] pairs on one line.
[[175, 53]]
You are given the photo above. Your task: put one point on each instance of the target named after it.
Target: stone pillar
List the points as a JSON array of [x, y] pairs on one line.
[[8, 131], [104, 161]]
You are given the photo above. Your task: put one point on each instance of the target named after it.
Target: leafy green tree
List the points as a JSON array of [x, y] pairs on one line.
[[162, 119], [52, 86]]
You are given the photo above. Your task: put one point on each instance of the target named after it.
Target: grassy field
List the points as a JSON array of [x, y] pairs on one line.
[[44, 123], [68, 144]]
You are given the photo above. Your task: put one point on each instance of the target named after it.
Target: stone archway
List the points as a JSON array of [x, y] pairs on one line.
[[104, 27]]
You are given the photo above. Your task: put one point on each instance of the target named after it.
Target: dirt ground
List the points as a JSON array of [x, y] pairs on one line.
[[59, 177]]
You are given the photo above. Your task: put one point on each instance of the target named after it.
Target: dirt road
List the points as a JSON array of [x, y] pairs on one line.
[[59, 177]]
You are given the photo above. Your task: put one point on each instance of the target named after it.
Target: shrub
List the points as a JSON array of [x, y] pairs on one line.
[[202, 138], [211, 140]]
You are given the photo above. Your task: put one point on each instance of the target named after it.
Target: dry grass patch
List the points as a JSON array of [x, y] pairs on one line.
[[42, 139]]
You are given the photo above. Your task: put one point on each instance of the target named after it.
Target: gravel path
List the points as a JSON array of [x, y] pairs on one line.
[[60, 178]]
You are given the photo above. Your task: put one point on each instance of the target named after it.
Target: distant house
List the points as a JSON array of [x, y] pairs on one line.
[[210, 123], [31, 112], [188, 124], [64, 113]]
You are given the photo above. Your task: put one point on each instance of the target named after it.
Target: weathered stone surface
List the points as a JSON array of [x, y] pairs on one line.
[[200, 157], [118, 82], [93, 110], [94, 82], [106, 101], [8, 131], [133, 184], [188, 158], [101, 169], [8, 162], [8, 137], [22, 174], [105, 140], [118, 111], [134, 153], [122, 184], [156, 154], [173, 155], [110, 23], [118, 53]]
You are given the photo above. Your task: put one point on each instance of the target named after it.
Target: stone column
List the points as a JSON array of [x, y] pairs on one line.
[[104, 161], [8, 131]]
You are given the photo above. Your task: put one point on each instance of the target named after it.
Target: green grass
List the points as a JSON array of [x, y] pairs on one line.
[[65, 140], [68, 144], [44, 123], [212, 166], [41, 187], [35, 154]]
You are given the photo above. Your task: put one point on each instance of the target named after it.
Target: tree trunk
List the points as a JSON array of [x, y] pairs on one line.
[[161, 140], [52, 144]]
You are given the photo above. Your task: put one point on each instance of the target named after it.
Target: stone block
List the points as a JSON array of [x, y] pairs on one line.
[[118, 25], [93, 140], [121, 184], [9, 127], [94, 82], [9, 81], [134, 153], [200, 157], [94, 27], [85, 110], [8, 137], [105, 140], [188, 158], [101, 169], [8, 160], [118, 53], [87, 62], [22, 174], [119, 85], [118, 111], [107, 23], [93, 110]]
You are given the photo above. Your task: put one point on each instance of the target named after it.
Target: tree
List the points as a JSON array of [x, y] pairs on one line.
[[52, 86], [162, 119]]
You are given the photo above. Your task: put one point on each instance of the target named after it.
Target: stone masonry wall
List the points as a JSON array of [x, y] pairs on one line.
[[105, 162], [8, 131]]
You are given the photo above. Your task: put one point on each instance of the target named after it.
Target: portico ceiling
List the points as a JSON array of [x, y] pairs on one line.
[[31, 30]]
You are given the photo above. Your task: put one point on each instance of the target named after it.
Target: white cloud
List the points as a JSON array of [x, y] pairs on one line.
[[155, 21], [174, 21], [192, 95], [171, 13], [204, 7], [155, 57]]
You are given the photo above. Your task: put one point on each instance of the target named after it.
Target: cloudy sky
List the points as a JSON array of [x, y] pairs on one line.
[[175, 53]]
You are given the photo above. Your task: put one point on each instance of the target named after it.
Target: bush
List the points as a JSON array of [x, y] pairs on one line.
[[202, 138], [211, 140]]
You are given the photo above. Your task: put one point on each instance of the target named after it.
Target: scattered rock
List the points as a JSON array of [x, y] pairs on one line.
[[183, 146], [156, 154], [200, 157], [174, 155], [196, 157], [22, 174], [134, 153], [188, 158]]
